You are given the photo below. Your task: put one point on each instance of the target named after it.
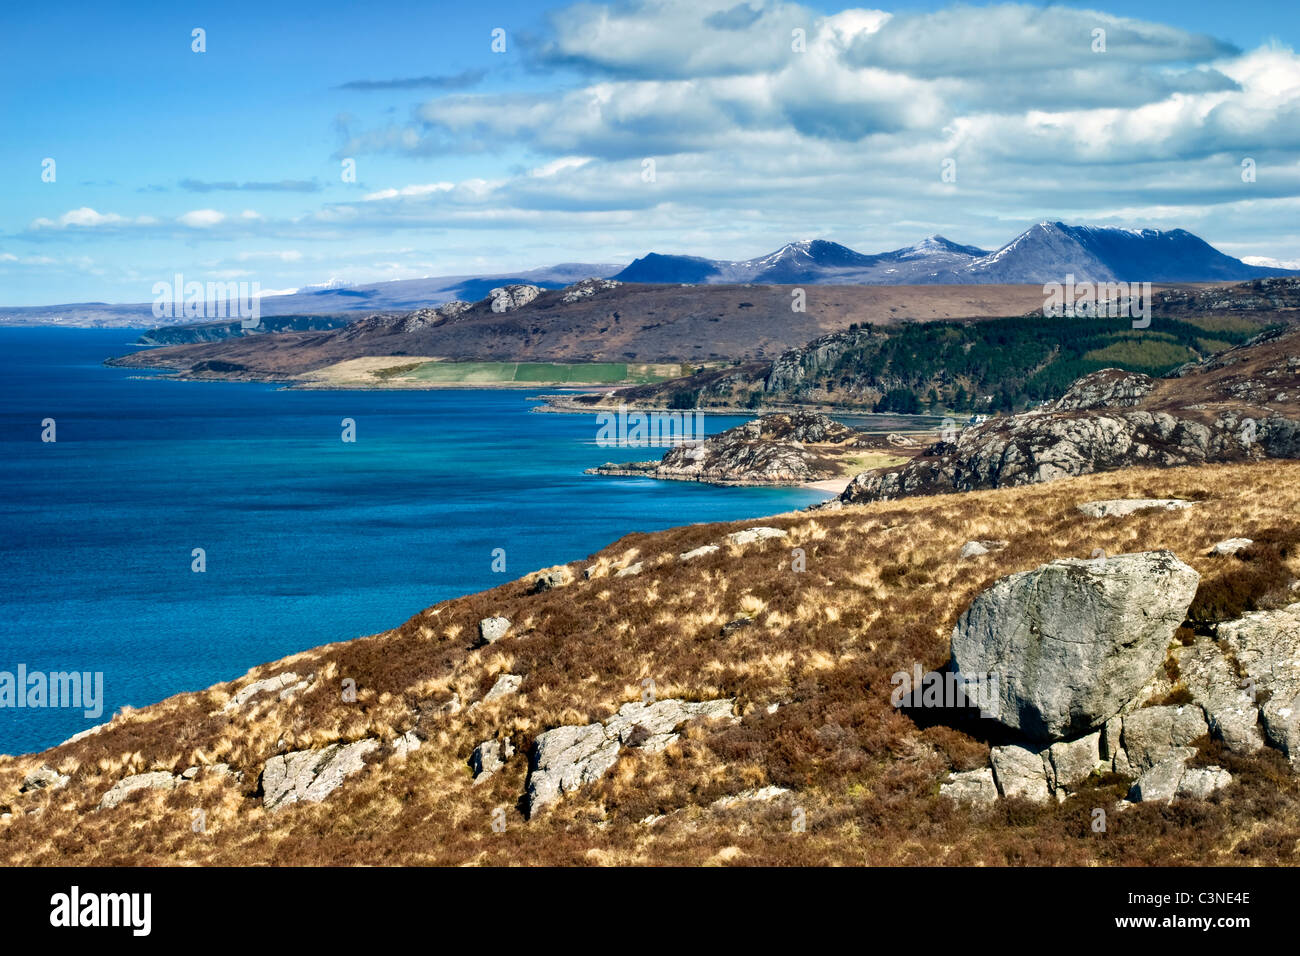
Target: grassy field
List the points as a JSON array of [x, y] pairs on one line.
[[426, 372]]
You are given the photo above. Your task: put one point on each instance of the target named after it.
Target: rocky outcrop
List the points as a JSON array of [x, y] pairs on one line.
[[773, 449], [1109, 388], [311, 775], [586, 288], [1151, 734], [977, 549], [1241, 405], [566, 758], [750, 535], [1171, 778], [505, 685], [1266, 647], [971, 786], [1071, 642], [511, 297]]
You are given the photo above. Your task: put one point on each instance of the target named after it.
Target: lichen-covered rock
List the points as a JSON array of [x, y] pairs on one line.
[[311, 775], [977, 549], [1266, 645], [492, 629], [153, 780], [972, 786], [1227, 700], [750, 535], [1021, 772], [1073, 641], [1151, 734], [1122, 507], [1073, 761], [44, 777], [505, 685], [511, 297], [489, 757], [1229, 546], [567, 757], [698, 552]]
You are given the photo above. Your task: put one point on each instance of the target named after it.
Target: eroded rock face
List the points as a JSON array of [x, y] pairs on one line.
[[1107, 388], [1073, 641], [311, 775], [1021, 772], [568, 757]]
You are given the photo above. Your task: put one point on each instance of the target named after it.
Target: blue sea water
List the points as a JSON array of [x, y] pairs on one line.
[[308, 539]]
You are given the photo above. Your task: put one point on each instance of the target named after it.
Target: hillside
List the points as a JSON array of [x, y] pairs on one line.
[[1242, 404], [592, 322], [806, 656]]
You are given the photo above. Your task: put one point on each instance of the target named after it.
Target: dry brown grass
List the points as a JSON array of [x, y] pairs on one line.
[[882, 589]]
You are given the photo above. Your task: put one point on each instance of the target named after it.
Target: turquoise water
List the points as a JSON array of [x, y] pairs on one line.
[[307, 539]]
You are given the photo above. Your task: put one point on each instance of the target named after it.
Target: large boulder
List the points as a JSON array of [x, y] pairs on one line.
[[1152, 734], [153, 780], [1068, 644]]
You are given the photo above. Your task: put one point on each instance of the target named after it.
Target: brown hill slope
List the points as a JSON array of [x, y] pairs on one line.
[[645, 323], [810, 675]]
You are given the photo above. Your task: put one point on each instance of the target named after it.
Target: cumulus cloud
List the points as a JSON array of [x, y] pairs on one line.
[[201, 218]]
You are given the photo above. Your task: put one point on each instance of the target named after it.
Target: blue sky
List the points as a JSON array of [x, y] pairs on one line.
[[226, 164]]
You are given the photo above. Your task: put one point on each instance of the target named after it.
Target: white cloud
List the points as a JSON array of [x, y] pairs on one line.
[[201, 218]]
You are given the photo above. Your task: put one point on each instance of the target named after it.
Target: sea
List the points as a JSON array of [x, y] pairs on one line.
[[175, 534]]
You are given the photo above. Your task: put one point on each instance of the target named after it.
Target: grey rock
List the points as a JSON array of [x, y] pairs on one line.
[[971, 786], [1073, 761], [1230, 546], [1160, 781], [630, 570], [505, 685], [1021, 772], [1153, 733], [153, 780], [44, 777], [492, 629], [406, 743], [976, 549], [750, 535], [758, 795], [1266, 645], [549, 581], [698, 552], [1073, 641], [311, 775], [279, 682], [1200, 782], [567, 757], [511, 297], [1120, 507], [489, 757], [1212, 680]]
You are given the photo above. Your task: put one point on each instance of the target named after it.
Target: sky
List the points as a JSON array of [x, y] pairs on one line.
[[601, 132]]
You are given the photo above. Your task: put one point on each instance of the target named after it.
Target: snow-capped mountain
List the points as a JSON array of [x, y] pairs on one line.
[[1046, 252]]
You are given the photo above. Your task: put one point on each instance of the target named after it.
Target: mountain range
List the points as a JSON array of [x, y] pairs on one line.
[[1046, 252]]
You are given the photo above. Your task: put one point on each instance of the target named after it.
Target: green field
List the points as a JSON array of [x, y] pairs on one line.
[[533, 373]]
